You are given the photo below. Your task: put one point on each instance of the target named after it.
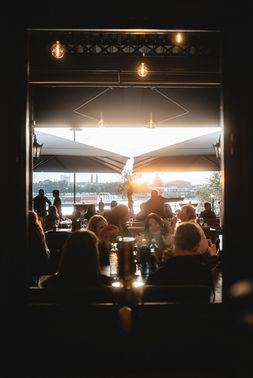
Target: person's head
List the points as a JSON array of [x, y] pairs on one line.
[[41, 192], [153, 224], [187, 212], [101, 206], [90, 211], [96, 224], [34, 222], [56, 193], [80, 262], [154, 193], [122, 213], [207, 205], [187, 237], [53, 212], [33, 218], [76, 214], [113, 204]]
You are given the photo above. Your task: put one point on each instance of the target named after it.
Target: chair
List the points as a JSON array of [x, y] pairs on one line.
[[55, 241]]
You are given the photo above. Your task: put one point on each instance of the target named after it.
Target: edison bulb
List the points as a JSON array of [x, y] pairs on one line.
[[142, 70], [179, 38], [57, 50]]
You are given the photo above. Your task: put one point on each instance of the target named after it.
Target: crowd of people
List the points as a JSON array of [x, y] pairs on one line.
[[186, 255]]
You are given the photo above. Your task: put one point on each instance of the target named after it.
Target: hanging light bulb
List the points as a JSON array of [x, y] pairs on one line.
[[179, 38], [142, 70], [57, 50], [151, 124]]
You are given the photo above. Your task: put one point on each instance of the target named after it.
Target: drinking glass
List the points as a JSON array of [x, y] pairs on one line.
[[201, 221]]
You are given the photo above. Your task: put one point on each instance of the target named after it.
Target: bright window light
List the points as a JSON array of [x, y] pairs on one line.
[[130, 142]]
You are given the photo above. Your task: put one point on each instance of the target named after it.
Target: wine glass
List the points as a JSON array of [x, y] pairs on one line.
[[201, 221]]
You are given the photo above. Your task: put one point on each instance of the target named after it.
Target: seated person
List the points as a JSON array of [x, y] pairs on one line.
[[185, 267], [79, 265], [208, 215], [39, 254], [101, 208], [118, 216], [155, 228], [105, 233], [113, 204], [90, 211], [76, 219], [52, 219], [156, 205], [188, 214]]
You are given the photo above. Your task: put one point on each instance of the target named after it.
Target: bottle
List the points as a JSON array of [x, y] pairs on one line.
[[153, 247], [144, 257], [113, 259]]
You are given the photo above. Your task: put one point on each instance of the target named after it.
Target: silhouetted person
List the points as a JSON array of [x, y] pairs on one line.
[[101, 208], [118, 216], [39, 204], [91, 211], [105, 233], [113, 204], [39, 254], [186, 266], [57, 201], [208, 215], [156, 204], [79, 265], [51, 220], [75, 219]]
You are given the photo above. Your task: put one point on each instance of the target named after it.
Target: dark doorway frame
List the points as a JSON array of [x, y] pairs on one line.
[[235, 118]]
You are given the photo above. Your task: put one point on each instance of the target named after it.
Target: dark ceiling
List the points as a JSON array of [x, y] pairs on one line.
[[126, 107]]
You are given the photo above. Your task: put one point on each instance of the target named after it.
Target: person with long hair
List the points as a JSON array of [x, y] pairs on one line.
[[39, 254], [79, 265], [51, 219], [158, 231], [156, 228], [105, 233]]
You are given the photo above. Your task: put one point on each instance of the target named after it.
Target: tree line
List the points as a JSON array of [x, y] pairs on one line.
[[68, 187]]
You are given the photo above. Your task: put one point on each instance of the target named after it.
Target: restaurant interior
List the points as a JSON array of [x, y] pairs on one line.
[[137, 73]]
